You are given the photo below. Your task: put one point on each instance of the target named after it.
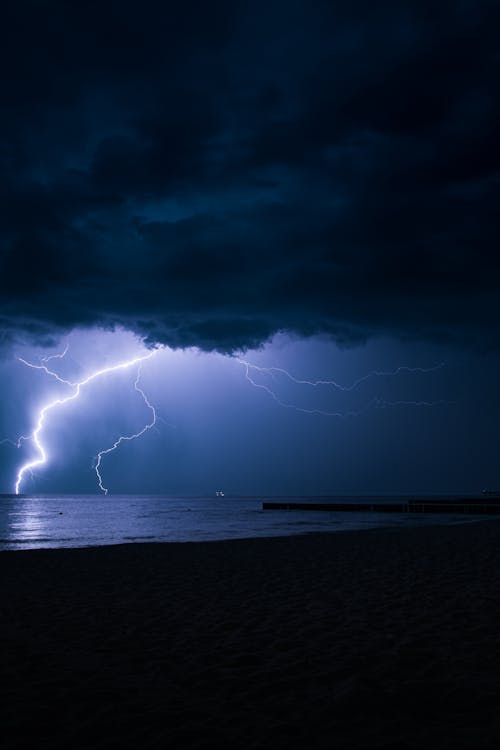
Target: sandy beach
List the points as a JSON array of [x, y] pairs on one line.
[[378, 639]]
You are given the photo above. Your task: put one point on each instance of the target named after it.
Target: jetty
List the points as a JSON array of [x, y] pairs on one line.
[[473, 505]]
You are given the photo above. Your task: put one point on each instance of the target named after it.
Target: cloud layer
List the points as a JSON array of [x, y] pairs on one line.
[[208, 174]]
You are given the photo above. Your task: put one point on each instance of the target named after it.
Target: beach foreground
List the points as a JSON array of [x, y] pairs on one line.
[[377, 639]]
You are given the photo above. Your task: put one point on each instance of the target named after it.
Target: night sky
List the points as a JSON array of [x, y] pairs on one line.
[[310, 186]]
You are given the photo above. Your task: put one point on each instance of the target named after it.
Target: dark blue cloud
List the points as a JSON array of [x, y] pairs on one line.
[[208, 175]]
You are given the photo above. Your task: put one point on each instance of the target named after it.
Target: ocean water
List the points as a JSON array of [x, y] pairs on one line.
[[45, 521]]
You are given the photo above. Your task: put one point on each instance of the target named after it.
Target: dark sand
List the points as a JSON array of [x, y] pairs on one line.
[[379, 639]]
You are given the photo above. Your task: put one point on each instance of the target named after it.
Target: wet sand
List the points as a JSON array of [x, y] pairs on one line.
[[377, 639]]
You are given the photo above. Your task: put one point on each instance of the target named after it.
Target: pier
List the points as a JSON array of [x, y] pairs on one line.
[[475, 506]]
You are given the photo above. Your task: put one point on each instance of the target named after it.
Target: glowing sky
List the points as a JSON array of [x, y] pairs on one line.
[[407, 430]]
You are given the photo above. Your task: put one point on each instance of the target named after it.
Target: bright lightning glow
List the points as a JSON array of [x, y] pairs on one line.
[[374, 403], [35, 436], [271, 380]]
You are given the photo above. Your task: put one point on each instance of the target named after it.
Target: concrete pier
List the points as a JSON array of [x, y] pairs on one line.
[[475, 506]]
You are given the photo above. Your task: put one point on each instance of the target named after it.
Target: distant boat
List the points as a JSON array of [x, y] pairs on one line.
[[219, 493], [490, 492]]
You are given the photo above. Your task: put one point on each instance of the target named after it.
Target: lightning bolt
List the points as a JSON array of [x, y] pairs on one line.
[[374, 403], [76, 386], [56, 356], [124, 438]]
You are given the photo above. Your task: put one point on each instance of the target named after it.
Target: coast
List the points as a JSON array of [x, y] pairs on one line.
[[383, 639]]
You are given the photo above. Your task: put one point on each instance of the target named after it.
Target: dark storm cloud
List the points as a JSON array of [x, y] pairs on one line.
[[208, 174]]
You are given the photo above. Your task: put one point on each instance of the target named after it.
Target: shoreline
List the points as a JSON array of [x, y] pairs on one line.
[[467, 521], [383, 640]]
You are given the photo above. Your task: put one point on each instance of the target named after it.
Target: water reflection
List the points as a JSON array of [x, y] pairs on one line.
[[81, 521], [29, 520]]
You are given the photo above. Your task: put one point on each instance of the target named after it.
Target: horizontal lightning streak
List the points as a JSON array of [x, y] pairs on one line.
[[374, 403], [382, 403], [315, 383]]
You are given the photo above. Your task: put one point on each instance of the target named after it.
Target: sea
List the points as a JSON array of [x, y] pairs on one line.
[[52, 521]]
